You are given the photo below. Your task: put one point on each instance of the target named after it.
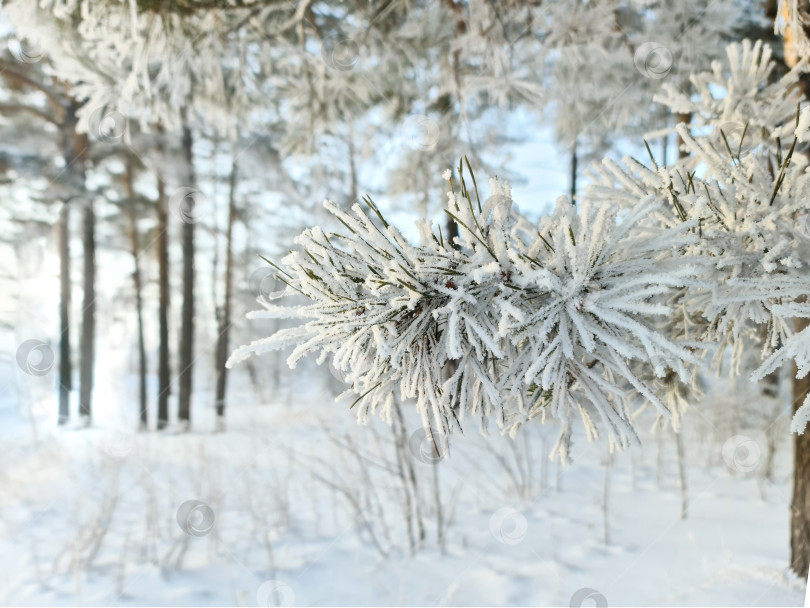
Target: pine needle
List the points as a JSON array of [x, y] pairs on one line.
[[652, 158], [277, 267], [475, 185], [356, 401], [460, 223]]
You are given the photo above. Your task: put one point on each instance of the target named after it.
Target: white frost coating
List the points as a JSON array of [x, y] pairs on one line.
[[751, 198], [600, 306], [801, 418], [802, 130], [530, 335]]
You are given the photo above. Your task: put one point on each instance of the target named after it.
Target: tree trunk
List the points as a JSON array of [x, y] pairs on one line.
[[74, 150], [437, 499], [682, 474], [606, 496], [409, 476], [452, 231], [682, 118], [164, 372], [187, 314], [407, 504], [224, 314], [800, 506], [87, 338], [65, 368], [134, 241], [74, 154], [574, 173]]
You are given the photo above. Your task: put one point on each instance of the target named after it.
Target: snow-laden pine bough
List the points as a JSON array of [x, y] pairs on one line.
[[744, 179], [597, 309], [536, 320]]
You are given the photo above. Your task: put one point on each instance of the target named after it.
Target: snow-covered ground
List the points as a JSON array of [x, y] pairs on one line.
[[291, 494]]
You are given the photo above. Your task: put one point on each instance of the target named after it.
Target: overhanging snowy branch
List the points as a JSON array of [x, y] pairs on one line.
[[537, 320]]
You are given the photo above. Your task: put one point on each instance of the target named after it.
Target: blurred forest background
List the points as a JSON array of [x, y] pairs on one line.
[[144, 177]]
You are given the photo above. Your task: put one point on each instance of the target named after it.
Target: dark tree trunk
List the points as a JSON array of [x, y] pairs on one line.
[[65, 368], [800, 507], [74, 149], [224, 314], [452, 231], [164, 372], [187, 314], [74, 153], [135, 246], [87, 338], [574, 173], [682, 118]]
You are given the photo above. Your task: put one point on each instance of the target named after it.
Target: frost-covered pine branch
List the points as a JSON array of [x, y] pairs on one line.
[[784, 300], [539, 320], [737, 102], [745, 183]]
